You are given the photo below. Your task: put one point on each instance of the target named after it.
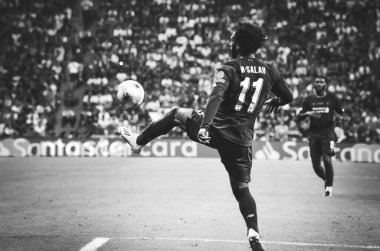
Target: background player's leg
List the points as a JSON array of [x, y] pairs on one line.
[[247, 204], [318, 169], [327, 148], [329, 170], [175, 117], [316, 155]]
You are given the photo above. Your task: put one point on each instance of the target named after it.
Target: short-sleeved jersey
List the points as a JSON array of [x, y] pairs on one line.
[[326, 106], [240, 88]]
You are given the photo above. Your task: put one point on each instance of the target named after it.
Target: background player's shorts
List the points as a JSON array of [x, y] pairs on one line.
[[237, 159], [321, 143]]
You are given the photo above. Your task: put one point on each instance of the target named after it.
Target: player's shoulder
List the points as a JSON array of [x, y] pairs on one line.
[[272, 69], [237, 64], [332, 96], [310, 98], [244, 61], [229, 67]]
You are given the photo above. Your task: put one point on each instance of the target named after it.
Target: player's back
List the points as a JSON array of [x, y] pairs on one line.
[[250, 83]]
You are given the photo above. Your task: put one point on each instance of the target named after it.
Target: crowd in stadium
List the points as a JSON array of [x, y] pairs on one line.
[[60, 61]]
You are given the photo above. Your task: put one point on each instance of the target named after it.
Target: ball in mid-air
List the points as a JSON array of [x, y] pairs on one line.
[[130, 94]]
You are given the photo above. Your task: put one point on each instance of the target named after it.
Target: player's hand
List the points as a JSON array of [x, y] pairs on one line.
[[272, 104], [314, 114], [203, 136], [331, 152]]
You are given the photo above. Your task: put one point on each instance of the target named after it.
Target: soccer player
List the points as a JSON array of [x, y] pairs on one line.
[[321, 107], [241, 88]]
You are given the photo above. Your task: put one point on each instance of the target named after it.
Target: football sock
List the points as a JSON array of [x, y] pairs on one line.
[[157, 128], [329, 170], [247, 206], [318, 169]]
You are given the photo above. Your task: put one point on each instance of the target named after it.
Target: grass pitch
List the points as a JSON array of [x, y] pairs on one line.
[[181, 204]]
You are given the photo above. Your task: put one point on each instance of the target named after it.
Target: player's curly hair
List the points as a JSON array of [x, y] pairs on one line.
[[249, 36], [321, 76]]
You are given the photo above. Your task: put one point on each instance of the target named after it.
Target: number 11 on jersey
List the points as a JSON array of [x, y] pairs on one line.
[[245, 84]]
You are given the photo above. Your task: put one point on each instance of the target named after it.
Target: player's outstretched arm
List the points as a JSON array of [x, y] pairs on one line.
[[212, 106], [274, 103], [309, 113], [284, 97], [216, 97], [282, 91]]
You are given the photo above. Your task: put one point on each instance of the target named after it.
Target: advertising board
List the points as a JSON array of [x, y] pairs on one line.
[[174, 148]]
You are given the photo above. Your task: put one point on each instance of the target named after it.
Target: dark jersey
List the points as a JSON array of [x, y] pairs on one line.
[[240, 88], [326, 106]]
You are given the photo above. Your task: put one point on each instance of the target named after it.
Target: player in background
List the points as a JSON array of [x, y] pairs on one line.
[[321, 108], [241, 88]]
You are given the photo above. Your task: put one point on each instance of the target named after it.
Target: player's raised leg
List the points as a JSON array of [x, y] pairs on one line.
[[175, 117]]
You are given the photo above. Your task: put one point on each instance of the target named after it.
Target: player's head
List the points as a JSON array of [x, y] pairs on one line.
[[246, 39], [320, 85]]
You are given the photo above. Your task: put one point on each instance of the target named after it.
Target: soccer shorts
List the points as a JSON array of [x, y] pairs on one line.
[[237, 159], [321, 143]]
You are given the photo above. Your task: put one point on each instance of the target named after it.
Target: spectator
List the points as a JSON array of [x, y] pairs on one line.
[[281, 131], [47, 52]]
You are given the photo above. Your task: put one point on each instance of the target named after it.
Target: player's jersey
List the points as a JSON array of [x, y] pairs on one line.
[[326, 106], [240, 88]]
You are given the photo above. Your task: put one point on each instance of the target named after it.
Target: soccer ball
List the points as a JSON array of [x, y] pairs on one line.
[[130, 94]]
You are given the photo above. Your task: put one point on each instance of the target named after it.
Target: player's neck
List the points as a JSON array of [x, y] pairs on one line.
[[320, 96], [247, 56]]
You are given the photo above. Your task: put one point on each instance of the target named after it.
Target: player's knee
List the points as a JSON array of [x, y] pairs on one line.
[[173, 112], [181, 115], [239, 193], [326, 158]]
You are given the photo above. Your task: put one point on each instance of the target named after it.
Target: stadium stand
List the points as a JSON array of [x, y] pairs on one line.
[[60, 61]]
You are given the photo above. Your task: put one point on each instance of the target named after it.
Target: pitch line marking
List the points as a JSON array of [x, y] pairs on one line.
[[95, 244], [312, 177], [267, 242]]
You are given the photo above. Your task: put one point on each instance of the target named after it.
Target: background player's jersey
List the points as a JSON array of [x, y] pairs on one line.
[[326, 106], [241, 87]]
